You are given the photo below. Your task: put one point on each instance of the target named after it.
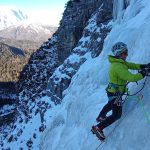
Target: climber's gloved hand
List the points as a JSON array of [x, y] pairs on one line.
[[143, 66], [145, 72]]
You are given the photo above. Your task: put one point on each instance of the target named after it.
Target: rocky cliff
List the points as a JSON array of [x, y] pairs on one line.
[[54, 51], [101, 16]]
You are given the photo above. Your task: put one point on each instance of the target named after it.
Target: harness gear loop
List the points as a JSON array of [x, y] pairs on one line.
[[126, 89], [117, 95]]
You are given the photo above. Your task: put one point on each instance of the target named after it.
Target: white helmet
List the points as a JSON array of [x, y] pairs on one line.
[[119, 48]]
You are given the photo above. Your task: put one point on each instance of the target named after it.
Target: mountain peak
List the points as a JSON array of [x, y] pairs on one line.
[[10, 16]]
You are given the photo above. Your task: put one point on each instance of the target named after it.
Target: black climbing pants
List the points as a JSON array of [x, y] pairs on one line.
[[116, 111]]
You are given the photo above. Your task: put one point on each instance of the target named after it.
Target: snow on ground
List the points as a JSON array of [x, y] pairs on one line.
[[70, 128]]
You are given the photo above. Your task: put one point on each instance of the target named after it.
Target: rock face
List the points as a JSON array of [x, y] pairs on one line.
[[61, 45], [91, 43], [33, 79], [74, 20]]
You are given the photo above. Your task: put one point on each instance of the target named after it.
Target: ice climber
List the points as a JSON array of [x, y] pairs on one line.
[[119, 76]]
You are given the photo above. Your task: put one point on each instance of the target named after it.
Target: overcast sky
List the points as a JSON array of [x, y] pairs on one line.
[[42, 11]]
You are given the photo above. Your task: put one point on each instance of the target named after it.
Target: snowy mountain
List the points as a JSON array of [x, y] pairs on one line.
[[78, 84], [27, 31], [10, 16], [14, 24]]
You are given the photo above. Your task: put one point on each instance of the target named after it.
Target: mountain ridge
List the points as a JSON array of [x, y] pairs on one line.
[[28, 31]]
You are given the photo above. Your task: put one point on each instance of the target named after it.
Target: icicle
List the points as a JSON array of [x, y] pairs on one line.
[[118, 7]]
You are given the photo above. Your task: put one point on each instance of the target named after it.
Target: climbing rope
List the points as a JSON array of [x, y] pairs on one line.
[[137, 91], [146, 115]]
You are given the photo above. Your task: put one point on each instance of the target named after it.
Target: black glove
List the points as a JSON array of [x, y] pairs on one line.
[[143, 66], [144, 72]]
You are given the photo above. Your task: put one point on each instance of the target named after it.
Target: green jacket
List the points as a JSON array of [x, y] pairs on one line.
[[119, 74]]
